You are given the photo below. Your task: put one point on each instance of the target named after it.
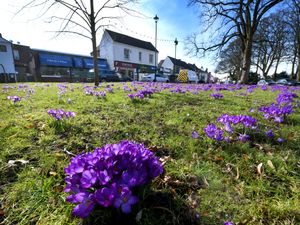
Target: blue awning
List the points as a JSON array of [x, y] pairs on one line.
[[55, 60], [77, 62]]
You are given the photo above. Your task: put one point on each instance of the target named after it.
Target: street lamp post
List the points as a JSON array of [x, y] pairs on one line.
[[176, 43], [155, 19]]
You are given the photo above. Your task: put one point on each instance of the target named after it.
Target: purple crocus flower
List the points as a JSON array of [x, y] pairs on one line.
[[125, 200], [195, 135], [216, 95], [270, 134], [14, 99], [280, 140], [244, 137], [213, 132], [88, 178], [105, 196], [228, 223], [84, 209]]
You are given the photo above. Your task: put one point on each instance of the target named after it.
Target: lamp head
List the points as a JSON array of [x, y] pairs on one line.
[[156, 18]]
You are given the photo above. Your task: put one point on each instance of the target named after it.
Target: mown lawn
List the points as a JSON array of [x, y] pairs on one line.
[[204, 181]]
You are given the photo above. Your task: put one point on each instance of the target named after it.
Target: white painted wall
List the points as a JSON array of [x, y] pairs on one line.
[[106, 49], [167, 65], [7, 58], [133, 54], [114, 51]]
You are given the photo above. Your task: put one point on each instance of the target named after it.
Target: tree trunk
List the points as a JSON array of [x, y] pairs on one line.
[[293, 74], [276, 67], [94, 43], [246, 63], [298, 68]]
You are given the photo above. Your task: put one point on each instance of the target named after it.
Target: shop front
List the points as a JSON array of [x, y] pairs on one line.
[[70, 68], [125, 68], [132, 70]]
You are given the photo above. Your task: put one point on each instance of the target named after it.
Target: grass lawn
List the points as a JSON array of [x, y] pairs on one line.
[[204, 181]]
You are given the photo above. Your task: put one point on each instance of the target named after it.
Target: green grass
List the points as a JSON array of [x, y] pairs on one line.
[[217, 181]]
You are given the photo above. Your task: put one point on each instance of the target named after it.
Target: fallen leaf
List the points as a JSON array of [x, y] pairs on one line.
[[52, 173], [58, 188], [2, 213], [139, 215], [237, 174], [17, 162], [270, 164], [259, 168]]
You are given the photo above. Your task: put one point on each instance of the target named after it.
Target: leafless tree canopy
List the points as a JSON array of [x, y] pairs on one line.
[[82, 17], [228, 19]]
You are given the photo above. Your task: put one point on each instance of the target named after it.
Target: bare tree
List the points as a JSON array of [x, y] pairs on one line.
[[270, 43], [233, 18], [83, 18], [230, 60], [293, 21]]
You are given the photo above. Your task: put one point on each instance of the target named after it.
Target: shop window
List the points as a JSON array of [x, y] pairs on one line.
[[126, 53], [3, 48], [151, 58], [140, 56], [16, 55]]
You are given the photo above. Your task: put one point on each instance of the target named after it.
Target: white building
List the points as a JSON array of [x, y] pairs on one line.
[[7, 66], [128, 55]]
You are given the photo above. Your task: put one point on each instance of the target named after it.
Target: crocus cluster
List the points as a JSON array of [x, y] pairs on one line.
[[60, 114], [141, 93], [14, 99], [216, 95], [100, 94], [107, 176], [213, 132], [276, 112], [136, 96], [229, 122], [286, 97]]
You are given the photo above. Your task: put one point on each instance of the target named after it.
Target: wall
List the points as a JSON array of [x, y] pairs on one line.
[[6, 58], [106, 49], [133, 54], [168, 65]]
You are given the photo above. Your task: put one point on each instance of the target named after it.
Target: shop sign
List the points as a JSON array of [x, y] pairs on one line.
[[124, 64], [88, 63], [55, 60], [146, 68]]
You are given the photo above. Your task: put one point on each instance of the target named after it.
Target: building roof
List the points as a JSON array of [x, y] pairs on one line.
[[183, 64], [121, 38]]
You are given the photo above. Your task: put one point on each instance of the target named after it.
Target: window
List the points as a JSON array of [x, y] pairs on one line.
[[151, 58], [140, 56], [3, 48], [16, 55], [126, 53]]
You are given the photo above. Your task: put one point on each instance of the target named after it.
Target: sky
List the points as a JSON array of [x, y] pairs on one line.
[[176, 20]]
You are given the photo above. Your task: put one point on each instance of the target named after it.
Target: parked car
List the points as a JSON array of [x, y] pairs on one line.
[[159, 78], [288, 82], [105, 75], [124, 78], [266, 82]]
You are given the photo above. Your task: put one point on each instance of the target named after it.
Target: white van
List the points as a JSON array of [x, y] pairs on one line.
[[188, 76]]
